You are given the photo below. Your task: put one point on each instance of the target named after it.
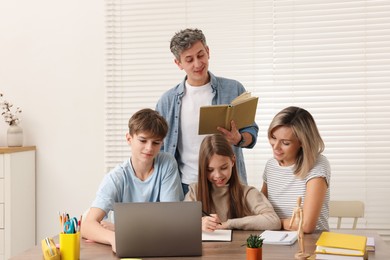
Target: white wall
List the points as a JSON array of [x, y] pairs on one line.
[[52, 65]]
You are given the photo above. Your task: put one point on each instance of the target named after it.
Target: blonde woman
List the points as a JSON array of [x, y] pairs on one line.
[[298, 169]]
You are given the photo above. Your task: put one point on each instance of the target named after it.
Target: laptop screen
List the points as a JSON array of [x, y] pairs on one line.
[[144, 229]]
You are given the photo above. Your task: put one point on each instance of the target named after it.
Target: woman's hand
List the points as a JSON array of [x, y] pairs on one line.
[[211, 223], [222, 225], [286, 224]]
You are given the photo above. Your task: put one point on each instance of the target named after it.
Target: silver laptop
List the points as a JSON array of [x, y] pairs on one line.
[[158, 229]]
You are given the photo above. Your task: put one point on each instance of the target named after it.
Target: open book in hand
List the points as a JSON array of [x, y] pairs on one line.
[[242, 110], [274, 237]]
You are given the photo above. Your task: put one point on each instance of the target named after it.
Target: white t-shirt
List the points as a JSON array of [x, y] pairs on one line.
[[189, 140]]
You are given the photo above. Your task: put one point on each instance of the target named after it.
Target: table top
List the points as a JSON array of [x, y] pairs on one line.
[[223, 250]]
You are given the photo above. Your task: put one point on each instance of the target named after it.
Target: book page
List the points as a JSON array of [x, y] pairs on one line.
[[337, 251], [337, 257], [217, 235], [244, 96]]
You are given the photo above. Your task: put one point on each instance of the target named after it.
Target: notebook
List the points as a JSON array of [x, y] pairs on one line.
[[274, 237], [217, 235], [151, 229]]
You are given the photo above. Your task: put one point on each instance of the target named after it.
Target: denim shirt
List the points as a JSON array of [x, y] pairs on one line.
[[225, 90]]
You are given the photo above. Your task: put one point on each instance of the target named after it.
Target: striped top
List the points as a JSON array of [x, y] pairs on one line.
[[284, 188]]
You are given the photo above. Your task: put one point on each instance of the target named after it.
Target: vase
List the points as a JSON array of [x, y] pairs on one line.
[[254, 253], [14, 135]]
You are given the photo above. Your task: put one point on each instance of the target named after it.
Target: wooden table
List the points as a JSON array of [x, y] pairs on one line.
[[222, 250]]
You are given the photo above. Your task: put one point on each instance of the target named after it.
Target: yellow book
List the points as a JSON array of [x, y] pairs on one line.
[[242, 110], [341, 244]]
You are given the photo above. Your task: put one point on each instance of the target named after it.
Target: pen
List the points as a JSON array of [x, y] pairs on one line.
[[283, 237], [207, 214]]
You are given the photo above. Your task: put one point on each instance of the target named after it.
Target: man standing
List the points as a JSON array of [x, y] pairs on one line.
[[180, 106]]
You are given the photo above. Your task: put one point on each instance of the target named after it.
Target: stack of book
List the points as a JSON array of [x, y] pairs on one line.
[[331, 245], [370, 246]]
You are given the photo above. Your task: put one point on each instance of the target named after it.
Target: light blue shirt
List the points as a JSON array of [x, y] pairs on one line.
[[225, 90], [121, 184]]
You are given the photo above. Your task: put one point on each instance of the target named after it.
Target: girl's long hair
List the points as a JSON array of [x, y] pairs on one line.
[[217, 144]]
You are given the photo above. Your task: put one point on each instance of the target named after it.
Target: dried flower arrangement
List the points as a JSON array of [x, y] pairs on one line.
[[10, 117]]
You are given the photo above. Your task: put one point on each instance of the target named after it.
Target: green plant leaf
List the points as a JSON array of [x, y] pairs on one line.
[[254, 241]]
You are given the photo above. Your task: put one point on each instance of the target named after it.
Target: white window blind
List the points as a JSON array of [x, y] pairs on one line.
[[331, 57]]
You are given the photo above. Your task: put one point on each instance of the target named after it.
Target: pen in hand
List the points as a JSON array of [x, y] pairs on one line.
[[207, 214]]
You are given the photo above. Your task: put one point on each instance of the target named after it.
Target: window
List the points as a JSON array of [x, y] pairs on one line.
[[330, 57]]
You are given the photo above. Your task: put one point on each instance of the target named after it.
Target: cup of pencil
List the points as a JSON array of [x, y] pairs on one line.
[[69, 238]]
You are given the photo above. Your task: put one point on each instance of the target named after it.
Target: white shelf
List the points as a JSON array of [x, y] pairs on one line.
[[17, 200]]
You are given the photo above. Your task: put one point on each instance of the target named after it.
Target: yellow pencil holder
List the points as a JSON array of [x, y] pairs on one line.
[[70, 246]]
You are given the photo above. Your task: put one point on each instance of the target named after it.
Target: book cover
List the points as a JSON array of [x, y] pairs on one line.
[[242, 110], [341, 244]]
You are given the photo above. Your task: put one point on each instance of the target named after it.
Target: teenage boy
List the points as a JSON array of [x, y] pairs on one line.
[[147, 176]]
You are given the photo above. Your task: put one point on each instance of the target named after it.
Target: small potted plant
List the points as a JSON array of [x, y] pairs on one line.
[[254, 247]]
